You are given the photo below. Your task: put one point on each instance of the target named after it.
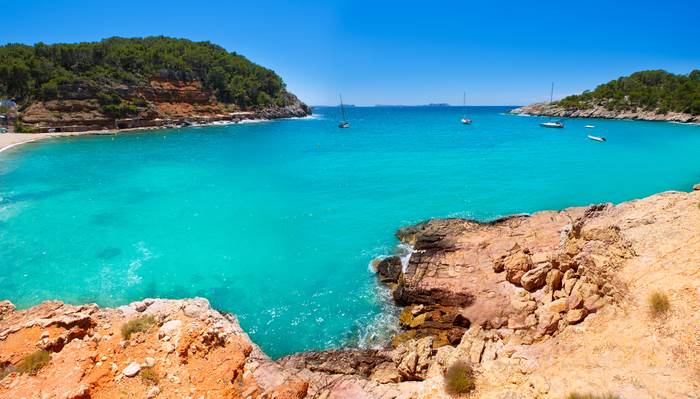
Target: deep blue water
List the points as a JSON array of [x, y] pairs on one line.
[[278, 221]]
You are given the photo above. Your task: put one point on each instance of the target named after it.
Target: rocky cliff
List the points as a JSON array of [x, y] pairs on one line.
[[600, 111], [162, 101], [541, 306]]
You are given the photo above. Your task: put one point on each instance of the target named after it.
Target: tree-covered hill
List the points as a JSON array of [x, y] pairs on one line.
[[657, 91], [47, 72]]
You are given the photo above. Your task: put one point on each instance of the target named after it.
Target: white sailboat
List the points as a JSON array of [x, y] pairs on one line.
[[344, 124], [555, 124], [465, 120]]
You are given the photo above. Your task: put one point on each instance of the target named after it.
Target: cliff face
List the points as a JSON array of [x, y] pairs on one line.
[[599, 111], [541, 306], [162, 101]]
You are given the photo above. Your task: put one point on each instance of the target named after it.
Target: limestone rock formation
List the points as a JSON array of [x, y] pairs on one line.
[[598, 111], [89, 358]]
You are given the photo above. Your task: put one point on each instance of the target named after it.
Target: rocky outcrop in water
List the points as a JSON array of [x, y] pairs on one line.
[[599, 111]]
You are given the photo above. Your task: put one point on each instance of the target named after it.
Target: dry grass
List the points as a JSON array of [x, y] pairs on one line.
[[590, 396], [33, 362], [141, 324], [6, 370], [659, 303], [149, 376], [459, 378]]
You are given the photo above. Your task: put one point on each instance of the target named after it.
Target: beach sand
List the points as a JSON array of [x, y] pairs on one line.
[[11, 140]]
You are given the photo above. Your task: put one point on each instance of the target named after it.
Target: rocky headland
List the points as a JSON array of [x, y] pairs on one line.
[[126, 83], [541, 306], [600, 111], [162, 102]]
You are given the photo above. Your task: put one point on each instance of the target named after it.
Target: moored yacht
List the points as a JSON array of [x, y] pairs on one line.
[[555, 124], [344, 124], [465, 120]]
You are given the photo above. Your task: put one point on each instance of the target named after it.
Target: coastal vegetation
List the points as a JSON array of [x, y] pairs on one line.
[[659, 303], [658, 91], [149, 376], [140, 324], [5, 370], [102, 70], [35, 361], [459, 378]]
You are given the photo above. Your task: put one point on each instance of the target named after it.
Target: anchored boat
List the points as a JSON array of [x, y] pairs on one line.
[[465, 120], [344, 124], [597, 138], [554, 124], [551, 123]]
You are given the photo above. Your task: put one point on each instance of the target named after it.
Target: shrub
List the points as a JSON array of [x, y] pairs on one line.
[[149, 376], [459, 378], [140, 324], [22, 128], [659, 303], [590, 396], [33, 362], [5, 370]]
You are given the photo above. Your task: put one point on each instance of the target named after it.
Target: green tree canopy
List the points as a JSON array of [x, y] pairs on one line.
[[658, 91], [42, 72]]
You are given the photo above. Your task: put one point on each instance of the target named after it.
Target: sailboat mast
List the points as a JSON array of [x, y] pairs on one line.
[[342, 108], [464, 104], [551, 93]]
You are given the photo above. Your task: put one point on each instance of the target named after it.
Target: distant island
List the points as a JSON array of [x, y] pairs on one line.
[[646, 95], [137, 82]]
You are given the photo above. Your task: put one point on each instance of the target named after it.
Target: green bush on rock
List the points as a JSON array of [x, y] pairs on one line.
[[140, 324], [459, 378]]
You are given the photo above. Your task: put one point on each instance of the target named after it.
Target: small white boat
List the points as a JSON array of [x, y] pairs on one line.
[[596, 138], [551, 123], [554, 124], [465, 120], [589, 126], [344, 124]]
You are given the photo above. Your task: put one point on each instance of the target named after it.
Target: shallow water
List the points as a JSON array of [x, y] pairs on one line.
[[278, 221]]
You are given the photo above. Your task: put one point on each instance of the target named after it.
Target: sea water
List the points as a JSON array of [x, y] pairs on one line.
[[278, 221]]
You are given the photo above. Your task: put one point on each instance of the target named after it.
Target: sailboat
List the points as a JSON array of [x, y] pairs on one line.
[[465, 120], [344, 124], [551, 123]]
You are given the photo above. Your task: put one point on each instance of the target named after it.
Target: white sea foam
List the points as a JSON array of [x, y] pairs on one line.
[[404, 252], [132, 277], [249, 121], [380, 328]]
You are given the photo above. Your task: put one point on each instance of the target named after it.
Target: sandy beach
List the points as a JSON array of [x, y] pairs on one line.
[[11, 140]]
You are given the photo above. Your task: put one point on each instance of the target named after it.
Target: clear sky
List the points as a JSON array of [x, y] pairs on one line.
[[401, 52]]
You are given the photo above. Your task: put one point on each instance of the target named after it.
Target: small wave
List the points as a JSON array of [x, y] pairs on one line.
[[249, 121], [132, 277], [378, 331], [404, 252]]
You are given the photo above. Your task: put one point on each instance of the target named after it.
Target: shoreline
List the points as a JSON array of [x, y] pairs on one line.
[[597, 112], [12, 140]]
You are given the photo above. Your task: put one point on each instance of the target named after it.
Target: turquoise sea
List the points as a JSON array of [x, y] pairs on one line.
[[278, 221]]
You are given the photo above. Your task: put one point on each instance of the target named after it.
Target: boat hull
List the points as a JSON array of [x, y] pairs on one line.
[[552, 125]]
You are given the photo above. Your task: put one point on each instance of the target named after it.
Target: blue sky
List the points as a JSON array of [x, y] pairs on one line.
[[381, 52]]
